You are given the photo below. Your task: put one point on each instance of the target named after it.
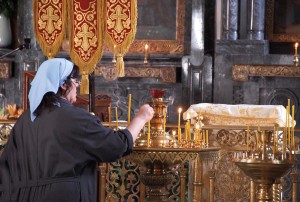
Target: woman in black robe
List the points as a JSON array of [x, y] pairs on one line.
[[54, 147]]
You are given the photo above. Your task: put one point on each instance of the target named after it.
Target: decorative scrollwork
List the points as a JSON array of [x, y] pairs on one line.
[[231, 183]]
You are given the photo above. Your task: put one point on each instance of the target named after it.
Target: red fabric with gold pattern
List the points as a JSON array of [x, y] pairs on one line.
[[49, 24], [120, 29], [85, 35]]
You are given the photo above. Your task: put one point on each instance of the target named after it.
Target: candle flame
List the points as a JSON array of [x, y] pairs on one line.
[[296, 45], [179, 110], [146, 47], [173, 132]]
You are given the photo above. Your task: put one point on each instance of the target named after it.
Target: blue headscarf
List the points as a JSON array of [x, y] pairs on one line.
[[50, 76]]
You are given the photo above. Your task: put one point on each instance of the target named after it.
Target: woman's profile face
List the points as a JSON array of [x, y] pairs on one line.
[[72, 94]]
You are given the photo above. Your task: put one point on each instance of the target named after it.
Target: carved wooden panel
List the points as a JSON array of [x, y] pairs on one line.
[[166, 74], [5, 69], [241, 72]]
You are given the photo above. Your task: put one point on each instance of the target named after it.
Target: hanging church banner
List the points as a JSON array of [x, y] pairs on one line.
[[49, 24], [86, 36], [120, 28]]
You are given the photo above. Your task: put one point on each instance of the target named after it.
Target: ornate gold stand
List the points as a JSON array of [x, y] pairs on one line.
[[264, 168], [158, 162], [264, 173]]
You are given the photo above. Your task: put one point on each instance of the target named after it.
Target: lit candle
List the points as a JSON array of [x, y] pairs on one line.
[[148, 134], [146, 54], [129, 108], [146, 49], [293, 127], [173, 133], [114, 57], [116, 110], [189, 130], [206, 137], [185, 131], [257, 137], [165, 120], [109, 116], [188, 126], [197, 132], [275, 141], [296, 48], [179, 129], [285, 133], [288, 126]]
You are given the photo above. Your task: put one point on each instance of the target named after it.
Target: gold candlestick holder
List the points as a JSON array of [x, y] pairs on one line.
[[265, 167], [296, 60], [146, 54]]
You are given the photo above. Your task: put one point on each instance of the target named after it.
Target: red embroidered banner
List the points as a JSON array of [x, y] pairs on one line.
[[86, 36], [49, 24], [120, 29]]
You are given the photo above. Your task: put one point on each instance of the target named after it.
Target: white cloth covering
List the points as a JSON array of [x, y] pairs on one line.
[[239, 115]]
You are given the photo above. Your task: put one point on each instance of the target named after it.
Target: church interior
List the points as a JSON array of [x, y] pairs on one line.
[[221, 75]]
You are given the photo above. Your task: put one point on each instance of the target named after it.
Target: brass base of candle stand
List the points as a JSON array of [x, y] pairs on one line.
[[264, 173], [167, 141]]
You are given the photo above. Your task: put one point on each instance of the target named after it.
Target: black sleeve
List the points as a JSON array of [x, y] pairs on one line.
[[96, 141]]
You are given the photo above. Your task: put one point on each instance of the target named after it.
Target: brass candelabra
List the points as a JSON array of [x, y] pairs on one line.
[[158, 151], [266, 163]]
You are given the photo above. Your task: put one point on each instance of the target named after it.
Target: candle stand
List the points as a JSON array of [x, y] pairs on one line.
[[158, 162], [158, 122], [264, 167], [163, 153]]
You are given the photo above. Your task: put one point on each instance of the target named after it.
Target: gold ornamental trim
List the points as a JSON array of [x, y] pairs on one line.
[[166, 74], [241, 72], [166, 157]]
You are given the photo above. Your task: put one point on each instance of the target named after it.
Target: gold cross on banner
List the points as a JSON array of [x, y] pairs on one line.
[[50, 17], [118, 16], [85, 35]]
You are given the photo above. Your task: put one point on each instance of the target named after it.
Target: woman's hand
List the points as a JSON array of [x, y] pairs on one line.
[[145, 112], [144, 115]]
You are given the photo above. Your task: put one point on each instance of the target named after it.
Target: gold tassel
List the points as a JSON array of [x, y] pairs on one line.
[[84, 88], [120, 49], [120, 66]]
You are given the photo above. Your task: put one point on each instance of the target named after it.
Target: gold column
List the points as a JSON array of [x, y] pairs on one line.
[[102, 173], [211, 185], [252, 191], [276, 191], [197, 195], [295, 186], [182, 182]]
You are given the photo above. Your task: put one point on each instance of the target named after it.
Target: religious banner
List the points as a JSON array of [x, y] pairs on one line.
[[120, 28], [49, 24], [85, 36]]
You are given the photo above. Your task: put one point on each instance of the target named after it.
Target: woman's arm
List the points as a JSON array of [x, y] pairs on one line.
[[144, 115]]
